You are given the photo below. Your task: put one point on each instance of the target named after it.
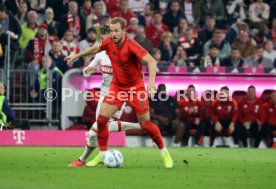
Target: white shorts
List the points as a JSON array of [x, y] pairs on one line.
[[103, 92]]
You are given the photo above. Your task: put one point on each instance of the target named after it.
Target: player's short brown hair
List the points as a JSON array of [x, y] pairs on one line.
[[104, 30], [119, 20]]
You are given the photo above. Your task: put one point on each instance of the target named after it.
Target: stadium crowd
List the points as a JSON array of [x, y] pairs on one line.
[[206, 33]]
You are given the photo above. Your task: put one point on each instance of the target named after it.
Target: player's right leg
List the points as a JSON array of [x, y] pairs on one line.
[[92, 135]]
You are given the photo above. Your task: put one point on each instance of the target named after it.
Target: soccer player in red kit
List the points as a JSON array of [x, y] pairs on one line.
[[224, 114], [250, 113], [269, 120], [127, 85], [191, 115]]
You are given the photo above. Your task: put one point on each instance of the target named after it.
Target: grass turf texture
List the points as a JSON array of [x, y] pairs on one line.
[[46, 167]]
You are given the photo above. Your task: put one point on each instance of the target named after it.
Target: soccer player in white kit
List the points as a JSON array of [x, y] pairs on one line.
[[101, 60]]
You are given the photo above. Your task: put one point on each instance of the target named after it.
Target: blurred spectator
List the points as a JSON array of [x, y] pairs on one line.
[[191, 10], [178, 31], [213, 8], [223, 45], [250, 114], [236, 11], [22, 13], [146, 17], [269, 51], [137, 6], [6, 114], [29, 30], [90, 40], [156, 54], [39, 7], [212, 59], [9, 24], [86, 9], [224, 115], [160, 5], [244, 44], [172, 17], [40, 84], [49, 21], [167, 47], [97, 17], [271, 35], [207, 32], [180, 58], [73, 22], [269, 120], [258, 14], [14, 5], [272, 10], [192, 47], [57, 56], [124, 11], [60, 7], [112, 6], [259, 38], [235, 60], [142, 40], [132, 27], [156, 28], [235, 30], [258, 59], [37, 48], [165, 113], [191, 114], [70, 46]]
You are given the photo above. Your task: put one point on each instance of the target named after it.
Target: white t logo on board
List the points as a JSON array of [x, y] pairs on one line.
[[19, 136]]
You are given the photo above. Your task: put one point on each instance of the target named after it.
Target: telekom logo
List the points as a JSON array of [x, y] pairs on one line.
[[19, 136]]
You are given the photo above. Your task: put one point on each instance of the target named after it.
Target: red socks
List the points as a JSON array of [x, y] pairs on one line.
[[102, 133], [154, 133]]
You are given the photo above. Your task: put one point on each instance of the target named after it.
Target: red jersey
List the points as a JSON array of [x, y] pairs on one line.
[[250, 110], [269, 115], [154, 34], [224, 111], [206, 110], [127, 16], [190, 110], [126, 63]]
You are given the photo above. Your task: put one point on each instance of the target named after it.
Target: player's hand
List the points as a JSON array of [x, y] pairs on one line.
[[218, 127], [247, 124], [33, 93], [164, 120], [151, 89], [197, 121], [87, 71], [175, 122], [70, 58], [231, 127]]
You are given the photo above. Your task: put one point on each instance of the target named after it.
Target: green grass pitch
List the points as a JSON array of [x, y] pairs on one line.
[[46, 167]]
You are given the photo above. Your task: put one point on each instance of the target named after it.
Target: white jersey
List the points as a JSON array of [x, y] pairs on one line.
[[102, 60]]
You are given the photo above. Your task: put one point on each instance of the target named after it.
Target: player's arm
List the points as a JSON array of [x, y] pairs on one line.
[[90, 51], [151, 62], [92, 67]]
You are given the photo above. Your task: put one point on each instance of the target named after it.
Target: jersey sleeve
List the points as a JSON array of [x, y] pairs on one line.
[[95, 63], [137, 49], [103, 44]]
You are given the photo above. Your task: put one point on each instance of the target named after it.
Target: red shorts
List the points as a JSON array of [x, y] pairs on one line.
[[137, 98]]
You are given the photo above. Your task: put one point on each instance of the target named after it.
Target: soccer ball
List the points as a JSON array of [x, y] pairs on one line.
[[113, 159]]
